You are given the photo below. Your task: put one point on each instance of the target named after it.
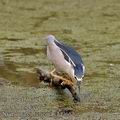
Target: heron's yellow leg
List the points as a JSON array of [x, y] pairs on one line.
[[52, 72], [64, 80]]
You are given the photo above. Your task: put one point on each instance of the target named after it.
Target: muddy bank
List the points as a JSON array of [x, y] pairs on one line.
[[48, 103]]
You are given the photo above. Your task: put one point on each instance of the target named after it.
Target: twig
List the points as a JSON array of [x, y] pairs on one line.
[[46, 77]]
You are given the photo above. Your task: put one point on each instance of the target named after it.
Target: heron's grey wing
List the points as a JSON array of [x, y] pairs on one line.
[[72, 57], [70, 54], [65, 56]]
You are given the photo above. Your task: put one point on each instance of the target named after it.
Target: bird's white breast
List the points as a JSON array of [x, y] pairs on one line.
[[57, 58]]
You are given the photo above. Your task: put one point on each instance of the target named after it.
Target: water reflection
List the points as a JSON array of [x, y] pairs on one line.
[[9, 71]]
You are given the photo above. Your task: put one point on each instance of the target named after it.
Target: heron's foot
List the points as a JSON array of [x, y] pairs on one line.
[[52, 72], [66, 82]]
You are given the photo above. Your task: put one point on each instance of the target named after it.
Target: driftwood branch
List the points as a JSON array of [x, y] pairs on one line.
[[46, 77]]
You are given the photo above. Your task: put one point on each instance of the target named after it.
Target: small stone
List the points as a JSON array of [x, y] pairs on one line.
[[111, 64]]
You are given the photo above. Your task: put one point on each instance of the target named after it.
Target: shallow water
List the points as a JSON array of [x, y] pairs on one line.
[[91, 27]]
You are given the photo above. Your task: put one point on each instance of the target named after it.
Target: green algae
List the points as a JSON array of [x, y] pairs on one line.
[[91, 27]]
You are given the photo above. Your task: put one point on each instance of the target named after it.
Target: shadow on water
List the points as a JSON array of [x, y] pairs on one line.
[[41, 20], [8, 72], [111, 62], [11, 39], [26, 51], [97, 75]]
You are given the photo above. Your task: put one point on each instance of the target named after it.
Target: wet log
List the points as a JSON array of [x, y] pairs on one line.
[[46, 77]]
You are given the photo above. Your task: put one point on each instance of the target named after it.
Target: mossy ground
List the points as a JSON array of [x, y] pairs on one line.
[[92, 27]]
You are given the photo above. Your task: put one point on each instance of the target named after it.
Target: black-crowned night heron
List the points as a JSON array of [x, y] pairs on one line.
[[65, 59]]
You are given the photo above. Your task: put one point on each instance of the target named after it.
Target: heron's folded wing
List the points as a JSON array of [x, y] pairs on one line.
[[69, 53]]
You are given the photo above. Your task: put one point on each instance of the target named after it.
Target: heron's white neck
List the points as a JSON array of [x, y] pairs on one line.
[[52, 45]]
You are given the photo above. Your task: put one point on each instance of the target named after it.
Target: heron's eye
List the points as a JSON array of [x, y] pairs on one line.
[[75, 77]]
